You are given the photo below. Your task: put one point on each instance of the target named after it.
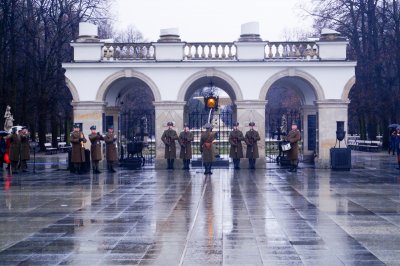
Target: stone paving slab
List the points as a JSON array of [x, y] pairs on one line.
[[160, 217]]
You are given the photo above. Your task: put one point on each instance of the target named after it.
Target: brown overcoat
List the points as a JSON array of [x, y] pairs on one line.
[[78, 152], [235, 139], [185, 140], [207, 150], [25, 148], [95, 147], [111, 149], [251, 139], [15, 147], [294, 136], [169, 137]]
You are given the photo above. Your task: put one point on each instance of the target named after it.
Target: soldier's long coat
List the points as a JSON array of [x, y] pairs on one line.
[[251, 139], [294, 136], [169, 137], [235, 139], [185, 140], [207, 153], [111, 149], [15, 147], [25, 148], [78, 152], [95, 147]]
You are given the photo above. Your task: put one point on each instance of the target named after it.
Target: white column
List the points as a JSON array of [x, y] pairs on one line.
[[253, 111], [329, 111]]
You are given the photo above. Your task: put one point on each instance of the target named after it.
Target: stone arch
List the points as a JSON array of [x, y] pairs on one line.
[[211, 72], [292, 72], [72, 89], [347, 88], [127, 73]]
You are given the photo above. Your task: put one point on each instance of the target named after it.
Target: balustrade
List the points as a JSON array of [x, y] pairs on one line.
[[209, 51], [291, 51], [128, 51]]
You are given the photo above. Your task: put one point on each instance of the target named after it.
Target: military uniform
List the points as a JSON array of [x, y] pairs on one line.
[[251, 139], [3, 150], [185, 140], [95, 149], [206, 148], [78, 150], [294, 136], [111, 151], [25, 151], [236, 151], [169, 137], [15, 150]]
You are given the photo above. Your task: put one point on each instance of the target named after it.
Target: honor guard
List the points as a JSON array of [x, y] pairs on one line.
[[111, 150], [25, 149], [78, 149], [235, 139], [294, 136], [15, 149], [185, 140], [95, 148], [169, 137], [251, 139], [207, 149]]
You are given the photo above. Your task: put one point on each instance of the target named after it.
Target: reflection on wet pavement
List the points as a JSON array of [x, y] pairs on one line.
[[149, 217]]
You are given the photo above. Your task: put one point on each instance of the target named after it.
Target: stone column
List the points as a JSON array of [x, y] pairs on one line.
[[89, 113], [329, 111], [308, 155], [167, 111], [253, 111]]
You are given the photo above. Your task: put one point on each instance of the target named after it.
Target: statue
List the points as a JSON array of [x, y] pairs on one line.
[[283, 124], [8, 119]]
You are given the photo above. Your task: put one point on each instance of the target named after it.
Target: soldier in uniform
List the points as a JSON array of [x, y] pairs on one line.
[[95, 149], [235, 139], [185, 140], [3, 149], [111, 150], [15, 149], [25, 149], [78, 149], [294, 136], [251, 139], [206, 148], [169, 137]]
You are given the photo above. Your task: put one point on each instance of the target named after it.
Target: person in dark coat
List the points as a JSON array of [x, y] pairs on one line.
[[168, 138], [3, 150], [251, 139], [95, 149], [392, 142], [78, 149], [236, 151], [294, 136], [185, 140], [397, 147], [25, 149], [111, 150], [15, 149], [206, 148]]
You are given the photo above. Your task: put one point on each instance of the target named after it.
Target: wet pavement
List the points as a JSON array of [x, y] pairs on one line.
[[160, 217]]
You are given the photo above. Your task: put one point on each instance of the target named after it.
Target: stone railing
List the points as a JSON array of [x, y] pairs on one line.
[[291, 51], [209, 51], [128, 51]]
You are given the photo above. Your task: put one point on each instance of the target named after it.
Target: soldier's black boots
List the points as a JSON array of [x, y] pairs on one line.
[[170, 164], [186, 164], [293, 168], [252, 164], [207, 167], [236, 163], [110, 168]]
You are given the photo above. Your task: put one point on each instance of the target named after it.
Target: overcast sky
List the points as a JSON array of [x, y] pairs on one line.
[[210, 20]]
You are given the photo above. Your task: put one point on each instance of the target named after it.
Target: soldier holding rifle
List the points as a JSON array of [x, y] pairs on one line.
[[111, 150], [206, 148], [236, 151], [185, 140], [95, 149], [251, 139], [78, 149], [169, 137]]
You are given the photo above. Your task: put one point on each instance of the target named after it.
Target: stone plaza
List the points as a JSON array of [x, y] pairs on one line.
[[158, 217]]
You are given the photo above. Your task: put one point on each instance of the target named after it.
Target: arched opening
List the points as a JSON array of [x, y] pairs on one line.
[[290, 99], [197, 115], [130, 110]]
